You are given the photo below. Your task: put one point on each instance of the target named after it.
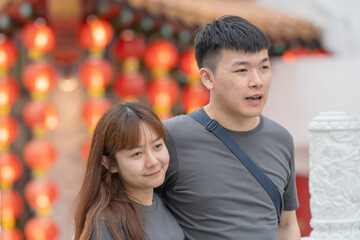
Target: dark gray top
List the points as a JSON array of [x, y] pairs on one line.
[[159, 224], [210, 192]]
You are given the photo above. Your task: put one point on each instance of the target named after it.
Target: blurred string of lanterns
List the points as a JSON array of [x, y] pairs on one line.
[[128, 55], [40, 115]]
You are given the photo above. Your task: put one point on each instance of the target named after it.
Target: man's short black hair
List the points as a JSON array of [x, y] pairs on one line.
[[230, 33]]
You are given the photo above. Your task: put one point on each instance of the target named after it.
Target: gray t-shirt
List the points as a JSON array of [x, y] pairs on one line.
[[211, 193], [159, 224]]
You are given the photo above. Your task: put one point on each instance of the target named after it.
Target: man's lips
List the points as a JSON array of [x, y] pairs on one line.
[[254, 97]]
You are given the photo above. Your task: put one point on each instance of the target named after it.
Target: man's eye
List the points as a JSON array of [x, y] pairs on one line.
[[241, 70], [265, 67]]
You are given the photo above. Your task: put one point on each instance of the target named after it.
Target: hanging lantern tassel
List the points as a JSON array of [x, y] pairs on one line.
[[96, 74], [163, 93], [41, 195], [38, 38], [9, 92], [194, 95], [39, 78], [11, 234], [8, 54], [41, 228], [10, 169], [11, 208], [39, 155]]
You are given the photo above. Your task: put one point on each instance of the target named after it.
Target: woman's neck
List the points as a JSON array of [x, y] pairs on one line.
[[144, 197]]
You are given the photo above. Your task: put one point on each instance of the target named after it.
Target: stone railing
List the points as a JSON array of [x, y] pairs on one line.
[[334, 178]]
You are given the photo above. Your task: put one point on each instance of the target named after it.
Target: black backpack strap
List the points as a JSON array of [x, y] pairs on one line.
[[213, 126]]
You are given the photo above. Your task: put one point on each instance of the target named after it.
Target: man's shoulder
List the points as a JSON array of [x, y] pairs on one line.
[[176, 121], [275, 128]]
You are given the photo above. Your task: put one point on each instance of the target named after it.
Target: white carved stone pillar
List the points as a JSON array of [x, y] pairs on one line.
[[334, 178]]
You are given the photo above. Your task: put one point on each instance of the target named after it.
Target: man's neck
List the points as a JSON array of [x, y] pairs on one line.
[[231, 121]]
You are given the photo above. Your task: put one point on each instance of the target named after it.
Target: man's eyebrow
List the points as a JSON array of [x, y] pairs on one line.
[[238, 63]]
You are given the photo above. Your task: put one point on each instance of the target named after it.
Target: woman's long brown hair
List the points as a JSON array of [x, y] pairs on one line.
[[102, 194]]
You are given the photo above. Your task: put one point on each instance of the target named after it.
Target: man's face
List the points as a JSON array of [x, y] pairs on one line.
[[241, 83]]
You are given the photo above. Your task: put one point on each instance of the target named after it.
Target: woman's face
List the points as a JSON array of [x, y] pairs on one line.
[[144, 167]]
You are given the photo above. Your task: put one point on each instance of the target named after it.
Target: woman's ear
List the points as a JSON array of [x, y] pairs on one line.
[[207, 78], [108, 164]]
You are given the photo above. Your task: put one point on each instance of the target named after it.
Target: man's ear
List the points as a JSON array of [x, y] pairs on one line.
[[207, 78], [109, 165]]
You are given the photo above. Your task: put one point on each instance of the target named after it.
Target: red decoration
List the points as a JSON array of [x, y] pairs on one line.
[[9, 91], [85, 150], [39, 228], [129, 45], [41, 193], [41, 114], [10, 168], [38, 36], [188, 64], [96, 74], [194, 96], [10, 234], [163, 92], [161, 54], [8, 130], [129, 85], [8, 53], [303, 213], [11, 206], [39, 77], [93, 109], [95, 34], [39, 154]]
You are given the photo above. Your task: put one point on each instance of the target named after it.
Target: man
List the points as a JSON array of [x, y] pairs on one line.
[[209, 191]]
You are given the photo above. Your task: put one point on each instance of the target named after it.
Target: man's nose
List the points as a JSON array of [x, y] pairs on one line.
[[256, 80]]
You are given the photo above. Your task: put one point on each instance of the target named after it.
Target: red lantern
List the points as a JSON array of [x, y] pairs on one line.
[[11, 206], [194, 96], [163, 92], [85, 150], [188, 64], [38, 36], [39, 154], [95, 34], [96, 74], [160, 55], [129, 45], [8, 130], [8, 53], [41, 194], [93, 109], [40, 228], [9, 91], [129, 85], [41, 114], [39, 77], [10, 168], [10, 234]]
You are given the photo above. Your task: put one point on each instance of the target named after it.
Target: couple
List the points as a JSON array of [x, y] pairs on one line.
[[209, 193]]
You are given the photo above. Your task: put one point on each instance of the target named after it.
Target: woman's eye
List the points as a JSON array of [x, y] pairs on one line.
[[136, 154], [158, 146]]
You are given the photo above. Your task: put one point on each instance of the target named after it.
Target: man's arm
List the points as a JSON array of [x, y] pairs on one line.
[[289, 228]]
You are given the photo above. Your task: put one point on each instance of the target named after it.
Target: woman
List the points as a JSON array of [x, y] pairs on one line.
[[127, 160]]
